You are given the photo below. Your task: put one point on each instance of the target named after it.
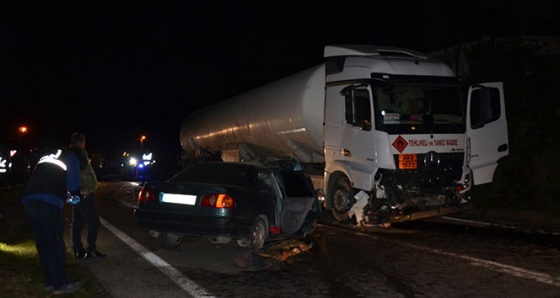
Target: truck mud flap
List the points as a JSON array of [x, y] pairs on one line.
[[436, 212]]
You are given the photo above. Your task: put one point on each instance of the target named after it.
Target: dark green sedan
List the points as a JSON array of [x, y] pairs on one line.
[[250, 202]]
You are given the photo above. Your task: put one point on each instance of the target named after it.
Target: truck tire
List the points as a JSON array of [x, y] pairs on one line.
[[342, 198]]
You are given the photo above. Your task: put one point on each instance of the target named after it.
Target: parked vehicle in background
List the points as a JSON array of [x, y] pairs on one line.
[[250, 202]]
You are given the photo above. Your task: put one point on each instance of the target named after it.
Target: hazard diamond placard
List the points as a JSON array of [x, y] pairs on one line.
[[400, 144]]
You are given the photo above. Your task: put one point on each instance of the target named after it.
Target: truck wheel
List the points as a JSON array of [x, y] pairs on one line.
[[169, 240], [342, 198], [258, 236]]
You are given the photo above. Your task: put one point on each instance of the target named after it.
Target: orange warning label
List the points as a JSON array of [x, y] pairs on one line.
[[400, 144]]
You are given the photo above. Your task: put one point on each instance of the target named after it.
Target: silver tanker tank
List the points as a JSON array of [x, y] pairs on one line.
[[285, 116]]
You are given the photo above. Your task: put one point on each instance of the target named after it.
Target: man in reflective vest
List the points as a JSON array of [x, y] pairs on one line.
[[55, 175]]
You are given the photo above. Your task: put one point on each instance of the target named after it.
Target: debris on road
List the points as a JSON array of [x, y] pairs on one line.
[[273, 255]]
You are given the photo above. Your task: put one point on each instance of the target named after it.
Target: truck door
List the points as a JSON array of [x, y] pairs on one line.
[[333, 122], [357, 136], [487, 136]]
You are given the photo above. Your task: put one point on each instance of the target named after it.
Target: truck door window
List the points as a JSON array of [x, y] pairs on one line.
[[485, 106], [357, 107]]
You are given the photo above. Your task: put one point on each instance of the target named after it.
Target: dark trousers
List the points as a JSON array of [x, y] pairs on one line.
[[84, 213], [47, 225]]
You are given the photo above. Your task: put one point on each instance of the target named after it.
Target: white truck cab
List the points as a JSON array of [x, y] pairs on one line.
[[396, 124]]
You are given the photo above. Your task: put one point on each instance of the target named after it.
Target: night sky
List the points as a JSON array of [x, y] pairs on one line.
[[116, 72]]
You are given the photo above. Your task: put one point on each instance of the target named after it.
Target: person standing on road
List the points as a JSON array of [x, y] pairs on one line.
[[86, 210], [53, 177]]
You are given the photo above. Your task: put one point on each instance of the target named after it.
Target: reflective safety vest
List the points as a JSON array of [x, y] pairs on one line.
[[54, 159], [48, 180]]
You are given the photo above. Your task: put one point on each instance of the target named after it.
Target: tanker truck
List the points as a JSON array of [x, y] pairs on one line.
[[387, 134]]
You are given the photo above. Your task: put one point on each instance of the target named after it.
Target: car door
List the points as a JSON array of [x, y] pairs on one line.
[[487, 135], [298, 201]]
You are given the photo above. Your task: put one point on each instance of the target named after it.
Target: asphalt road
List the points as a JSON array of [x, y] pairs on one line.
[[419, 259]]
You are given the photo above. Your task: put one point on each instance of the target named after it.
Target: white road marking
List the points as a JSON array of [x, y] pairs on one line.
[[175, 275], [495, 266], [505, 226]]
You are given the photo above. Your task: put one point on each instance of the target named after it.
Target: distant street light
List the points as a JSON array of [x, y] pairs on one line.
[[142, 138], [22, 130]]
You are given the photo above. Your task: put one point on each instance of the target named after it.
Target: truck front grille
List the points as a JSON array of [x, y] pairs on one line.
[[433, 170]]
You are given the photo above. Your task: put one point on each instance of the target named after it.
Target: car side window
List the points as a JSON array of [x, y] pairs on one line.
[[295, 185], [265, 181]]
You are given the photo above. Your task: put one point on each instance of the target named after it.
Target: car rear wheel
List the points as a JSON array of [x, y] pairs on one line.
[[258, 235], [169, 240]]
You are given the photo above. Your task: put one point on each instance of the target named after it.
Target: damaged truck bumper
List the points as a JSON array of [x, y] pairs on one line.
[[422, 214]]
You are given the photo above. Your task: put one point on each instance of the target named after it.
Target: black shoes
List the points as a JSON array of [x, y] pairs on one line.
[[67, 288], [83, 254], [80, 254], [94, 255]]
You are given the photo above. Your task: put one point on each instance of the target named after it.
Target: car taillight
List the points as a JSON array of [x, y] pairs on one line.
[[217, 200], [146, 196]]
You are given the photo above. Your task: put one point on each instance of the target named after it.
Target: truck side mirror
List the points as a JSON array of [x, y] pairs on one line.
[[349, 106]]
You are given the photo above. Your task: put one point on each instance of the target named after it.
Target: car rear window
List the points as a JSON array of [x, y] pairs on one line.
[[223, 174]]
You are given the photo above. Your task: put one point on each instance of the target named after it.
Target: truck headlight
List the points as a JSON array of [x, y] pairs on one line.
[[466, 185]]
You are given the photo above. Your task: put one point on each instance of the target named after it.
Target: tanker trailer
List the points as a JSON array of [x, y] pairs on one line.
[[391, 132]]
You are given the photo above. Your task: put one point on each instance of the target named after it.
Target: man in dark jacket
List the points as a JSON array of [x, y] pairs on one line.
[[85, 211], [54, 175]]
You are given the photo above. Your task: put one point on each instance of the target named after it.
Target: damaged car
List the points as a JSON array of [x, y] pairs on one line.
[[248, 202]]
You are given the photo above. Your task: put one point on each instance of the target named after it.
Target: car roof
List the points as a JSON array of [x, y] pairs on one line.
[[277, 165], [231, 173], [226, 165]]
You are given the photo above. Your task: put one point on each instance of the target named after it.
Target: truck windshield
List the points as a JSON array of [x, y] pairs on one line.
[[408, 108]]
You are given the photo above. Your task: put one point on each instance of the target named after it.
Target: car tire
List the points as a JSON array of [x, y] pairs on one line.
[[342, 198], [258, 234], [310, 228], [219, 239], [169, 240]]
